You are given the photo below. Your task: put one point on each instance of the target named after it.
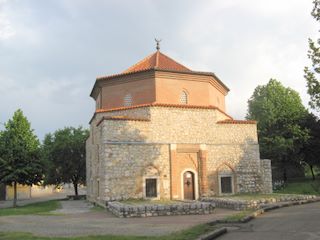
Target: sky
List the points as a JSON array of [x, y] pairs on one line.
[[52, 51]]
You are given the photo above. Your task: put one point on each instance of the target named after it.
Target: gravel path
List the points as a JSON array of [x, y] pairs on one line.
[[79, 220]]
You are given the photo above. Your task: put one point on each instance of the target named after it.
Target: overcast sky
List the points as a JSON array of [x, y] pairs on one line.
[[51, 51]]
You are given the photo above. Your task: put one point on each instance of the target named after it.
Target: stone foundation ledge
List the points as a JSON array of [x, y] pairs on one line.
[[149, 210], [241, 204]]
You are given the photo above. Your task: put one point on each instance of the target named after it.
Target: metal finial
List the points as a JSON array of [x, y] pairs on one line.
[[158, 43]]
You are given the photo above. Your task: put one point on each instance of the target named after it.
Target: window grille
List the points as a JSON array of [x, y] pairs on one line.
[[226, 185], [151, 188], [184, 98], [127, 101]]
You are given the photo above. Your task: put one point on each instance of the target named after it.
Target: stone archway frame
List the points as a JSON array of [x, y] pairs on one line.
[[232, 174], [153, 176], [201, 172], [195, 185]]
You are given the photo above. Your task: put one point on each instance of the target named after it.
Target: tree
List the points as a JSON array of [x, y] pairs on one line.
[[311, 148], [64, 152], [20, 161], [279, 112], [312, 73]]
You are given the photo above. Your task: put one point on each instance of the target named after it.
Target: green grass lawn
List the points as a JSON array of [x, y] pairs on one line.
[[188, 234], [302, 187], [252, 196], [33, 208], [146, 202]]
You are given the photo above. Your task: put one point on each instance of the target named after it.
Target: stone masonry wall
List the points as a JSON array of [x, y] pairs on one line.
[[119, 151], [266, 174], [125, 165], [94, 150], [242, 161], [125, 210], [179, 125]]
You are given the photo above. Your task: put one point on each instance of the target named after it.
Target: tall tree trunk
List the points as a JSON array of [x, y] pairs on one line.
[[311, 169], [75, 185], [14, 194]]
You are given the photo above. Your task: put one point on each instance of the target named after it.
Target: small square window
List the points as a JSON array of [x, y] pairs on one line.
[[226, 185], [151, 188]]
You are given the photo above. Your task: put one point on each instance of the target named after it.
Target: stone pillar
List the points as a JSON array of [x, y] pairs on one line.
[[203, 154], [266, 176]]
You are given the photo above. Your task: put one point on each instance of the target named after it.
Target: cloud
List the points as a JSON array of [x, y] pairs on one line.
[[6, 29], [248, 42], [51, 51]]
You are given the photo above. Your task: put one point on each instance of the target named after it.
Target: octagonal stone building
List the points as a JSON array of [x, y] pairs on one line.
[[161, 131]]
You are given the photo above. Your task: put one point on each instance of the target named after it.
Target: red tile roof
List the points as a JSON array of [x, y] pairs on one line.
[[157, 60], [231, 121]]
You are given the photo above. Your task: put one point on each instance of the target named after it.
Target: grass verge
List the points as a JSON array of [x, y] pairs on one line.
[[302, 187], [42, 208], [252, 196], [187, 234], [146, 202], [97, 208], [238, 216]]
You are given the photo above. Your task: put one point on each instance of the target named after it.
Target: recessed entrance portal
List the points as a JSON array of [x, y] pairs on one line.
[[188, 185]]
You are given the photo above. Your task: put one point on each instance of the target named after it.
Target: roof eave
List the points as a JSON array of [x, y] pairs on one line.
[[155, 69]]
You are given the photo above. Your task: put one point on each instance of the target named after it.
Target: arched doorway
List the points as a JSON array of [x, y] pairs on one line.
[[188, 185]]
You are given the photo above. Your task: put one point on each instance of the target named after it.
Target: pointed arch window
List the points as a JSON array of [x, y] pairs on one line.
[[127, 101], [226, 180], [184, 97]]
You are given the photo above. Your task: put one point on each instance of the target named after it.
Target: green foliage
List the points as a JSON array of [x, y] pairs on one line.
[[20, 160], [34, 208], [64, 152], [311, 148], [312, 73], [280, 113]]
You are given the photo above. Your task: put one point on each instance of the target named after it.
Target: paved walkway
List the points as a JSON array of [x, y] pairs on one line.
[[291, 223], [6, 204], [79, 220], [74, 207]]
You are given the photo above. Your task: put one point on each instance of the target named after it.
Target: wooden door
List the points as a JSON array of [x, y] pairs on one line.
[[188, 185]]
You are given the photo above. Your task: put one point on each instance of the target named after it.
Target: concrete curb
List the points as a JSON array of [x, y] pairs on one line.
[[223, 230]]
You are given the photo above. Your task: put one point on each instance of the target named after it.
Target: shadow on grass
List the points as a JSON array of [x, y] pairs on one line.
[[43, 208]]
